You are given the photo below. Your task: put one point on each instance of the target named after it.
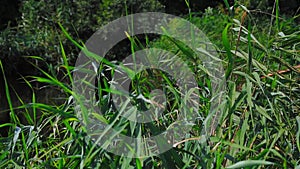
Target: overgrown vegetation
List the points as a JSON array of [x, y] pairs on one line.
[[260, 123]]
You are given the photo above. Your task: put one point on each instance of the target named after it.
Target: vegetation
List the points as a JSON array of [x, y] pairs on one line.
[[260, 122]]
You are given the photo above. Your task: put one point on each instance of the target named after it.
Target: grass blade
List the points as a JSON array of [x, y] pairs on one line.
[[249, 163], [226, 44]]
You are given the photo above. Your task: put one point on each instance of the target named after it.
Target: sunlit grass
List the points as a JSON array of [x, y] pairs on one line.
[[259, 127]]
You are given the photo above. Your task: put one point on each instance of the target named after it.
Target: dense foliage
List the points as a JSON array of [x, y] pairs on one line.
[[260, 122], [37, 32]]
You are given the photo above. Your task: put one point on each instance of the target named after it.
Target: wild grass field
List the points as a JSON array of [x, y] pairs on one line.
[[259, 122]]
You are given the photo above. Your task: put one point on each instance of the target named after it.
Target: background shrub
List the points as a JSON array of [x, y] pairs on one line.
[[37, 32]]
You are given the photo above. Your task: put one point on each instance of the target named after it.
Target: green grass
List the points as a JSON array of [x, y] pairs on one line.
[[259, 127]]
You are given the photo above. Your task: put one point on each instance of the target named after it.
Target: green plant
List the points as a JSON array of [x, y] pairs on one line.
[[260, 123]]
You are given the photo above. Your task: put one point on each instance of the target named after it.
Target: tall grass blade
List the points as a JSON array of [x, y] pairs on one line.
[[298, 133], [226, 44], [249, 163]]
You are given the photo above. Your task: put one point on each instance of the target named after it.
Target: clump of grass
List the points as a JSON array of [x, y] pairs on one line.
[[260, 121]]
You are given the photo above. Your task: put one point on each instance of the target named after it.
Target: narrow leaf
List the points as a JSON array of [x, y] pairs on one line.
[[249, 163]]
